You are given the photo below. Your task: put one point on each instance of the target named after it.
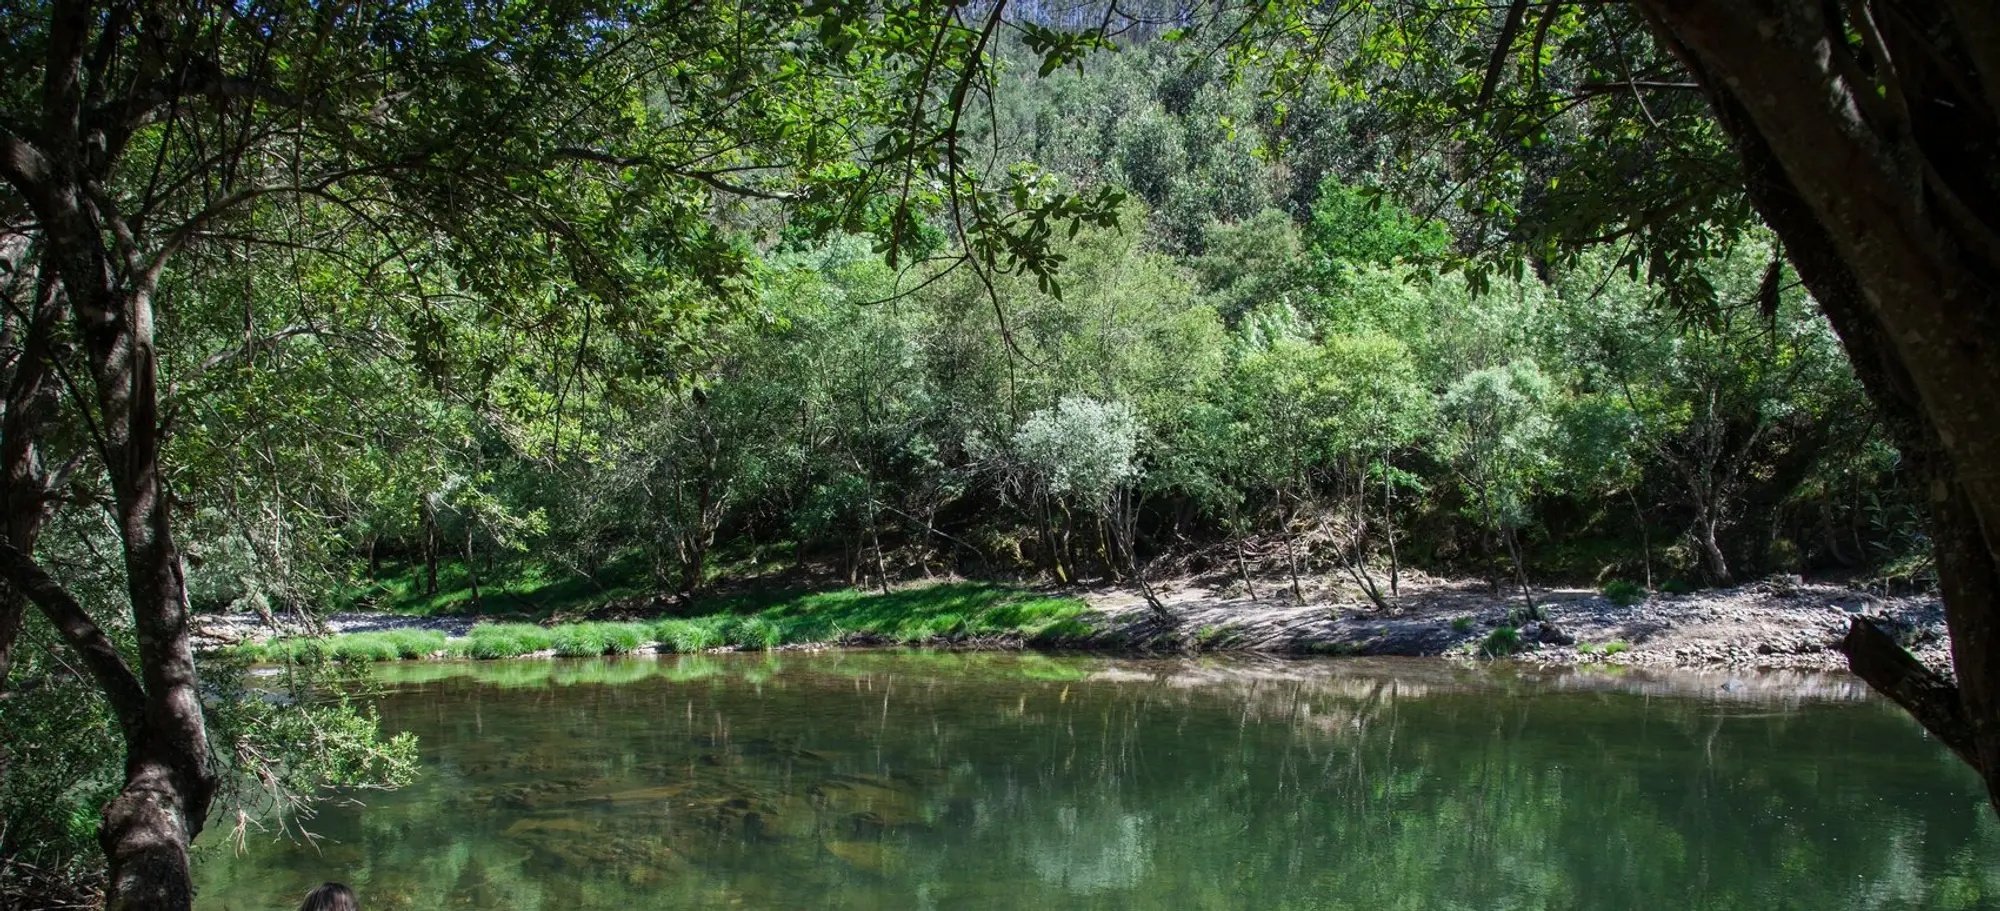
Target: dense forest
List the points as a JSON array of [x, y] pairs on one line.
[[1257, 351], [310, 309]]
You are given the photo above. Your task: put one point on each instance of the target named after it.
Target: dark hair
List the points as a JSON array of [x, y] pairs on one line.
[[330, 897]]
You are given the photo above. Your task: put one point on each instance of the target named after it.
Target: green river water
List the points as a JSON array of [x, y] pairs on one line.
[[872, 780]]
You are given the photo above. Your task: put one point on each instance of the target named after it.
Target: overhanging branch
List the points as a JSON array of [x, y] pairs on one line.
[[120, 686], [1933, 700]]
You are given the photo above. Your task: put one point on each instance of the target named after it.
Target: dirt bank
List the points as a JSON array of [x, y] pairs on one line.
[[1779, 623]]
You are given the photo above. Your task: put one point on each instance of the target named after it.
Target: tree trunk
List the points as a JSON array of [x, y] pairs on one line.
[[1389, 526], [1243, 566], [430, 532], [1713, 562], [471, 567], [1645, 536], [1884, 194]]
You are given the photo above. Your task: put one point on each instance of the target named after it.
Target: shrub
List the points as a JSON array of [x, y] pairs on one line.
[[1624, 593]]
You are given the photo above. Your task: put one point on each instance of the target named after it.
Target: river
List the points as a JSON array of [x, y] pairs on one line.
[[875, 780]]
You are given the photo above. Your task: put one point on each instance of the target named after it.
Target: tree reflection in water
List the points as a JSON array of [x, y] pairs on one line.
[[909, 780]]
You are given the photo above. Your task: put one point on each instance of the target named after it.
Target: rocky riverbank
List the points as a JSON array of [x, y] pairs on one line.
[[1773, 624], [1778, 623]]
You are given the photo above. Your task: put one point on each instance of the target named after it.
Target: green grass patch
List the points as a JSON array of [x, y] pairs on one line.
[[1461, 624], [389, 645], [1623, 593], [693, 634], [1501, 642], [938, 612], [935, 614], [503, 640], [591, 640]]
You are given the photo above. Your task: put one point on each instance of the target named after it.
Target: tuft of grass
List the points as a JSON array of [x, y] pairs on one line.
[[1615, 647], [591, 640], [1623, 593], [755, 633], [1501, 642], [1461, 624], [503, 640], [389, 645], [698, 634]]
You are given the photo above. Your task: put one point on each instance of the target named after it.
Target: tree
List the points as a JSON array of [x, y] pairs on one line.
[[492, 150], [1497, 426], [1869, 135], [1377, 408], [1864, 135], [1086, 452]]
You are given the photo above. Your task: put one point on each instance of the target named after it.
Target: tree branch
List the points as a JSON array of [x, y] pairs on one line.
[[120, 686], [1875, 657], [1508, 30]]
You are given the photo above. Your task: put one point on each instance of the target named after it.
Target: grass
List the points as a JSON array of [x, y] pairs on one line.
[[1461, 624], [1624, 593], [591, 640], [945, 613], [391, 645], [698, 634], [1608, 649], [1501, 642], [503, 640]]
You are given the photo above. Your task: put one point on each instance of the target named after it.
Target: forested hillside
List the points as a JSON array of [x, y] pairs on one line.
[[1263, 354]]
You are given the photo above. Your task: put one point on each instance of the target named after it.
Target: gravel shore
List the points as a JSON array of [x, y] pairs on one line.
[[1773, 624], [1780, 623]]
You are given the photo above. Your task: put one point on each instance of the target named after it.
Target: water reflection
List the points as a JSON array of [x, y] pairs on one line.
[[865, 781]]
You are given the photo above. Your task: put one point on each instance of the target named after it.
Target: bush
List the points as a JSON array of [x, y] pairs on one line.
[[1624, 593]]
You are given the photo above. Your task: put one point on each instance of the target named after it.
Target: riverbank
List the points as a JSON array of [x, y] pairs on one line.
[[1773, 624], [1779, 623]]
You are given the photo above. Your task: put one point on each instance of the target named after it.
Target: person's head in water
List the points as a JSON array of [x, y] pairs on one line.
[[330, 897]]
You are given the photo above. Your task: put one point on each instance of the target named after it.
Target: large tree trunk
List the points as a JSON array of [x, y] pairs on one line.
[[1886, 192], [169, 780]]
